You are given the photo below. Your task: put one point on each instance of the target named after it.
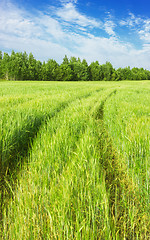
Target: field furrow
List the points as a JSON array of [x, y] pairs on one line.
[[75, 161]]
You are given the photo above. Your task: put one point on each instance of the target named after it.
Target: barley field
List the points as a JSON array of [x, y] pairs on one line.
[[75, 160]]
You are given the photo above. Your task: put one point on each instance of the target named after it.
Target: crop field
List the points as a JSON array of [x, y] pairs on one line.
[[75, 160]]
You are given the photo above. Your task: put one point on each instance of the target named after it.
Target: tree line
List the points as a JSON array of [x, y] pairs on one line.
[[21, 66]]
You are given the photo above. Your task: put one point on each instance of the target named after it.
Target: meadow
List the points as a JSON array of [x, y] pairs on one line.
[[75, 160]]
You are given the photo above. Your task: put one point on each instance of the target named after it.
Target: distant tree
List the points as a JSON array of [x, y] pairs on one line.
[[95, 71], [119, 74], [12, 66], [1, 57], [38, 72], [48, 70], [44, 72], [51, 69], [134, 74], [80, 69], [142, 74], [25, 67], [74, 65], [107, 71], [64, 73], [31, 67], [147, 73], [73, 60], [5, 66], [20, 66], [127, 73], [65, 60], [85, 71], [114, 76]]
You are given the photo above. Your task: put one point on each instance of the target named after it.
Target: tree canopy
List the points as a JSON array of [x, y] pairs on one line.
[[21, 66]]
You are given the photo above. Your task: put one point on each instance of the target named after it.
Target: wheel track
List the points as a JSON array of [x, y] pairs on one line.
[[15, 155], [118, 182]]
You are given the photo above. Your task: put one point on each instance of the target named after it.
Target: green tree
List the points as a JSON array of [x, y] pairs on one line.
[[65, 60], [5, 66], [95, 71], [20, 66], [25, 65], [147, 73], [16, 66], [107, 71], [18, 60], [74, 64], [119, 74], [44, 72], [1, 57], [32, 67], [38, 72], [80, 69], [64, 73], [48, 70], [85, 71], [51, 69], [12, 66]]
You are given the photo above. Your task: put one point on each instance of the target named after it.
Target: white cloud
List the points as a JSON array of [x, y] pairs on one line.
[[14, 21], [69, 14], [68, 1], [145, 31], [23, 31], [42, 49], [109, 27], [67, 31], [140, 25], [49, 26], [131, 21]]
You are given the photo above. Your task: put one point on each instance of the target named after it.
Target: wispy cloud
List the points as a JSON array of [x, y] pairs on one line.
[[69, 13], [141, 26], [145, 31], [17, 22], [109, 25], [65, 30], [21, 30], [68, 1], [131, 21]]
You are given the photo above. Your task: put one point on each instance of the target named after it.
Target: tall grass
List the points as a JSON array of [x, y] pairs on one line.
[[73, 179], [128, 123]]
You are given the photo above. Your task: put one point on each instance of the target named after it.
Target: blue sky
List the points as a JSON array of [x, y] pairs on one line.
[[104, 30]]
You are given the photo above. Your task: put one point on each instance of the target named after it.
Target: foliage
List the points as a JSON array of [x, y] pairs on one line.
[[20, 66]]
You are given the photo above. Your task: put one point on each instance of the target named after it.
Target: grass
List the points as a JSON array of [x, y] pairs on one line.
[[74, 160], [128, 114]]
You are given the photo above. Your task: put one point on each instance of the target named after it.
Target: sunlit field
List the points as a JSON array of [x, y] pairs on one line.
[[75, 160]]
